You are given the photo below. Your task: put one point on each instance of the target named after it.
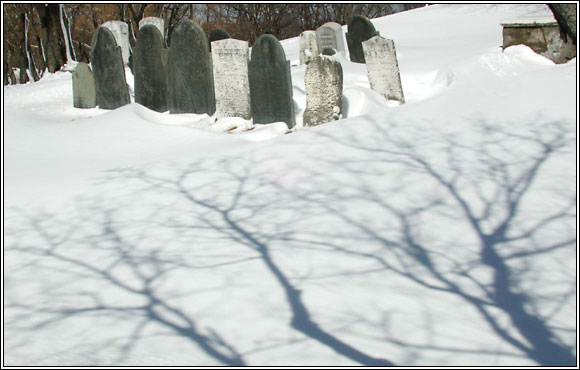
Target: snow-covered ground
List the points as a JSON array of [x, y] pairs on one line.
[[440, 232]]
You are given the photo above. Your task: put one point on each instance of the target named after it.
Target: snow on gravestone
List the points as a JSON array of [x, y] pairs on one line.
[[230, 70], [270, 82], [108, 71], [149, 68], [156, 21], [323, 82], [308, 46], [383, 68], [329, 35], [189, 71], [83, 83], [359, 29], [121, 32]]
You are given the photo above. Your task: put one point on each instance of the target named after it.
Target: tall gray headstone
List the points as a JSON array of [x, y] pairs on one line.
[[156, 21], [308, 46], [84, 95], [330, 35], [323, 82], [270, 82], [359, 29], [108, 70], [189, 71], [230, 71], [149, 69], [383, 68], [121, 32]]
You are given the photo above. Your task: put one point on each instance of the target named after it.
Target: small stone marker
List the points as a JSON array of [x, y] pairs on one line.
[[218, 34], [121, 32], [328, 51], [308, 46], [149, 68], [359, 29], [323, 82], [156, 21], [108, 71], [330, 35], [383, 68], [189, 71], [230, 70], [84, 95], [270, 82]]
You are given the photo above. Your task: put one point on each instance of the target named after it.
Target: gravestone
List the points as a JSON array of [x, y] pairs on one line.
[[383, 68], [328, 51], [323, 82], [84, 95], [270, 82], [330, 35], [189, 71], [308, 46], [230, 70], [156, 21], [149, 68], [121, 32], [359, 29], [218, 34], [108, 71]]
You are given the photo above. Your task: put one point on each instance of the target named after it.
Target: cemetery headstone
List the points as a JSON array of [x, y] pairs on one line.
[[308, 46], [189, 71], [359, 29], [383, 68], [230, 70], [156, 21], [218, 34], [328, 51], [121, 32], [330, 35], [270, 82], [149, 68], [323, 82], [84, 95], [108, 71]]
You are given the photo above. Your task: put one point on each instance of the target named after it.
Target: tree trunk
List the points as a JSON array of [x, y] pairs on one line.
[[565, 15], [54, 44]]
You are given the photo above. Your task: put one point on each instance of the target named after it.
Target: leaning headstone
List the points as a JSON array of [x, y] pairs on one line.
[[230, 70], [108, 70], [359, 29], [189, 71], [330, 35], [308, 46], [84, 95], [149, 68], [323, 82], [270, 82], [156, 21], [383, 68], [218, 34], [121, 32]]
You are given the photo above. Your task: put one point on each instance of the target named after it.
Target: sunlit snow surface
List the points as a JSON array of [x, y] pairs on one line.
[[441, 232]]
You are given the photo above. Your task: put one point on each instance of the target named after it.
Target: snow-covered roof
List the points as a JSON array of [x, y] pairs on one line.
[[528, 21]]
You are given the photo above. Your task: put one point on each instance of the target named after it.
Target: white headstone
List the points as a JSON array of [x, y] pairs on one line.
[[308, 46], [120, 31], [330, 35], [383, 68], [156, 21], [323, 80], [231, 84]]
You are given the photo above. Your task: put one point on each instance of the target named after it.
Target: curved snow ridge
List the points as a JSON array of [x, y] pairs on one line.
[[513, 61]]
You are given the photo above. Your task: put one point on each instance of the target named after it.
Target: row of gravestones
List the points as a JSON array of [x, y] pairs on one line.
[[187, 78]]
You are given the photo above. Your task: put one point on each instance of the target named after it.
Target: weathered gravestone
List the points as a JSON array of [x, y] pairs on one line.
[[149, 69], [323, 82], [270, 82], [230, 70], [156, 21], [383, 68], [330, 35], [359, 29], [189, 71], [328, 51], [218, 34], [108, 71], [308, 46], [121, 32], [84, 95]]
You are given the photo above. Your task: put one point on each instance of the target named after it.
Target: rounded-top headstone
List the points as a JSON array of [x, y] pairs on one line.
[[156, 21], [268, 49], [328, 51], [330, 35], [150, 69], [218, 34], [120, 31], [360, 29]]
